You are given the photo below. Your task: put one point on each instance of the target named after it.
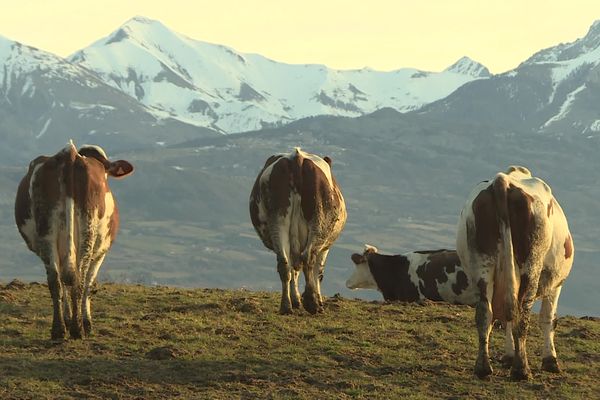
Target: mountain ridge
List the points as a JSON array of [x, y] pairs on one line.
[[208, 84]]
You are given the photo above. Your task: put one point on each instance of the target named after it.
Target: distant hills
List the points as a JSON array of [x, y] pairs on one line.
[[404, 174]]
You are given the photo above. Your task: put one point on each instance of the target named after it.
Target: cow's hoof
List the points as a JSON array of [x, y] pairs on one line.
[[310, 303], [483, 372], [520, 374], [296, 303], [87, 327], [57, 334], [507, 361], [285, 309], [550, 364], [75, 332]]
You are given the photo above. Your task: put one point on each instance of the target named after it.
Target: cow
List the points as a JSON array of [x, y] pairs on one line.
[[435, 275], [68, 217], [514, 243], [416, 276], [298, 211]]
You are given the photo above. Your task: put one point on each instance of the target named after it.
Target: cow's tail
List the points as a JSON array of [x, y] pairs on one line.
[[69, 262], [507, 273]]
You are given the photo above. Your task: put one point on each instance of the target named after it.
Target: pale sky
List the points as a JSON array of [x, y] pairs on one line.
[[345, 34]]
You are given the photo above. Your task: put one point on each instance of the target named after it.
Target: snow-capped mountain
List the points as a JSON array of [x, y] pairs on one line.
[[215, 86], [555, 91], [45, 100]]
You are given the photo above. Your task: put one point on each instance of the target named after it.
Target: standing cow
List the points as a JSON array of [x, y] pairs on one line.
[[514, 242], [298, 211], [67, 215]]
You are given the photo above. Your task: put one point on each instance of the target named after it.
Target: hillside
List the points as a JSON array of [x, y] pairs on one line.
[[208, 343]]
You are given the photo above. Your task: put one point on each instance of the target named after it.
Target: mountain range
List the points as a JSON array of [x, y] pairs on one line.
[[407, 146]]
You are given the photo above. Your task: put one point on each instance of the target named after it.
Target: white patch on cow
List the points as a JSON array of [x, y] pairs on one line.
[[70, 231], [416, 259], [28, 230], [97, 148], [362, 278], [468, 295], [298, 226], [370, 249], [104, 239]]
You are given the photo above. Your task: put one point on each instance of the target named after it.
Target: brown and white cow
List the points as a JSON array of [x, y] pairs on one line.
[[514, 242], [67, 215], [298, 211], [413, 277]]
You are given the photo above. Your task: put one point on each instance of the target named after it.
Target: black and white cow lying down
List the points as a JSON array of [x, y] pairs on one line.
[[435, 275], [431, 274]]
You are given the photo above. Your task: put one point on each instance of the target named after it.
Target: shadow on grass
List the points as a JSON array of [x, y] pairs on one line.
[[198, 373]]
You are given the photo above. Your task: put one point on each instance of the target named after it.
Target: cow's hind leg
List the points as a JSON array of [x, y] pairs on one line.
[[309, 297], [66, 303], [321, 258], [58, 323], [509, 347], [483, 320], [285, 274], [49, 256], [90, 279], [76, 327], [295, 294], [548, 324], [527, 291]]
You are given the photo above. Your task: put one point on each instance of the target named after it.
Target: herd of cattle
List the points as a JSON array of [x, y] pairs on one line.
[[513, 244]]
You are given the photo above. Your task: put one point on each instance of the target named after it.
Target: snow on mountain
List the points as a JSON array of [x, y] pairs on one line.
[[467, 66], [556, 92], [45, 99], [215, 86], [565, 59], [18, 60]]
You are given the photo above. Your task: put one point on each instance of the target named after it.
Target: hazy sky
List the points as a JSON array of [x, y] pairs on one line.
[[381, 34]]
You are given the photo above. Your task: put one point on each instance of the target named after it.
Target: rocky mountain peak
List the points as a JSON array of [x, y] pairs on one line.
[[470, 67], [584, 46]]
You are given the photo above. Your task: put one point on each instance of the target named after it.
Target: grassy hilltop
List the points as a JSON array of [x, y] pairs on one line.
[[208, 343]]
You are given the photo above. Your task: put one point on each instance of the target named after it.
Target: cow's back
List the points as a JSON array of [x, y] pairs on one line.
[[295, 201]]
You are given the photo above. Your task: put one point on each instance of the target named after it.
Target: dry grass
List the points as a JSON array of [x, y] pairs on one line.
[[220, 344]]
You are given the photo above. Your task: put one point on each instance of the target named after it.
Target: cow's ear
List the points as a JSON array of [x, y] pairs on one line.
[[328, 160], [120, 169], [357, 258]]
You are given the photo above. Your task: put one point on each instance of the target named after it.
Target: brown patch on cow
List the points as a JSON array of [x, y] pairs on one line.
[[486, 222], [45, 192], [522, 223], [315, 190], [91, 186], [278, 187], [568, 247], [119, 169], [328, 160], [392, 278]]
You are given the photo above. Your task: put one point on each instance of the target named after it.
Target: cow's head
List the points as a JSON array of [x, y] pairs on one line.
[[117, 169], [362, 278]]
